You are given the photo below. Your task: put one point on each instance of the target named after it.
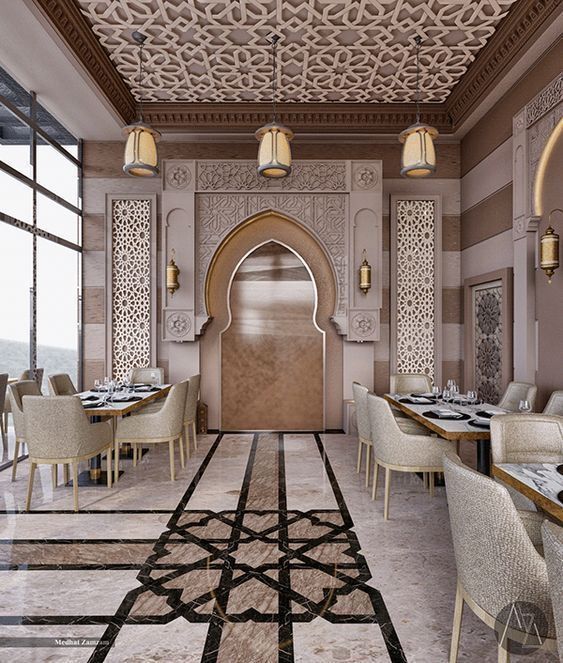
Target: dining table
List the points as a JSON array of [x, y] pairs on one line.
[[540, 482], [472, 422], [99, 406]]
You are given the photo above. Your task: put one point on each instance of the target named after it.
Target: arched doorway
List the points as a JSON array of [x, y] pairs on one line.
[[290, 236], [272, 352]]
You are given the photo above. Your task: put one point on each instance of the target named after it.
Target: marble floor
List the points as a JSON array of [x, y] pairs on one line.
[[267, 547]]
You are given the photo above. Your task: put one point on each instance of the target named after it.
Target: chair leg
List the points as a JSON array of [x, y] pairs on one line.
[[425, 479], [387, 491], [75, 485], [30, 485], [181, 444], [54, 475], [4, 431], [431, 477], [134, 447], [503, 655], [15, 463], [65, 473], [359, 463], [456, 628], [186, 439], [368, 464], [171, 452], [116, 462], [374, 485], [108, 463], [194, 429]]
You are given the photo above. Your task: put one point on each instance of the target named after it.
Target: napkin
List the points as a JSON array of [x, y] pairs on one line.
[[421, 399], [426, 394], [448, 414]]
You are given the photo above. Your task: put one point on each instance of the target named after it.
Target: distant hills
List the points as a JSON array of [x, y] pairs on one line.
[[14, 359]]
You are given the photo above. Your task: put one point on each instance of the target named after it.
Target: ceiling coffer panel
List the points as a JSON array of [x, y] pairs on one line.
[[343, 52]]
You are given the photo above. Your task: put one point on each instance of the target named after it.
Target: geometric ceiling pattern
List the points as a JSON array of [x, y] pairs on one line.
[[330, 51]]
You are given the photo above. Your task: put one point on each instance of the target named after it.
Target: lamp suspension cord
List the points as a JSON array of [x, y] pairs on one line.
[[418, 41], [141, 79], [275, 39]]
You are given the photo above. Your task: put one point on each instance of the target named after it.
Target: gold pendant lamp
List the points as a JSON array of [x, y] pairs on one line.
[[141, 155], [418, 158], [274, 152]]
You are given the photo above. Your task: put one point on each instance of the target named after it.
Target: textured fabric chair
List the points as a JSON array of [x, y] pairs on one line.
[[530, 438], [17, 391], [407, 383], [497, 564], [516, 392], [362, 421], [190, 413], [60, 384], [57, 431], [165, 425], [554, 405], [148, 375], [553, 550], [3, 393], [395, 450], [28, 374]]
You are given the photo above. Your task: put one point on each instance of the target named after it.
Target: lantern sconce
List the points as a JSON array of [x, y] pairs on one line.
[[172, 272], [549, 249], [365, 274]]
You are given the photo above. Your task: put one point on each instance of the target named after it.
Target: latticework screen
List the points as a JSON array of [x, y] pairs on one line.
[[415, 286]]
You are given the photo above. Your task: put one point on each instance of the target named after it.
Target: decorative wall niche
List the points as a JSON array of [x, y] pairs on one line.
[[130, 282], [338, 202], [416, 285]]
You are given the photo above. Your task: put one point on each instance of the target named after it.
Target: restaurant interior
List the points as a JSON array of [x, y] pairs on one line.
[[281, 357]]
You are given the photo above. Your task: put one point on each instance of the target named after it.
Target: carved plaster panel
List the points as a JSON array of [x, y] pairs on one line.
[[178, 325]]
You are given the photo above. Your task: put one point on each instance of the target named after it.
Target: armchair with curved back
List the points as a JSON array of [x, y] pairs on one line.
[[497, 564], [363, 424], [554, 405], [3, 397], [553, 550], [408, 383], [60, 384], [28, 374], [397, 451], [147, 375], [58, 431], [17, 391], [516, 392]]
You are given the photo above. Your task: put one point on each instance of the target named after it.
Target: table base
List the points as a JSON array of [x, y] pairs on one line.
[[127, 452], [92, 478], [484, 457]]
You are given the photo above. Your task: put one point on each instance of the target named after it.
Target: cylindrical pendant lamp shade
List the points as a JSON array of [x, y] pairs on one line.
[[274, 153], [141, 156], [419, 156]]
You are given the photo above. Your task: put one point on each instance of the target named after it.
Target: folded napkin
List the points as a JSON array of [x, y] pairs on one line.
[[426, 394], [89, 398], [448, 414], [92, 405], [421, 399]]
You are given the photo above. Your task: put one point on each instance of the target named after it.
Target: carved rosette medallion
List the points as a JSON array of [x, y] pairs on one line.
[[178, 325], [363, 325], [178, 177], [365, 177]]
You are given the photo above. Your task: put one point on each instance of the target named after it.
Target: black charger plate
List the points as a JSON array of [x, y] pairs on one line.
[[480, 424]]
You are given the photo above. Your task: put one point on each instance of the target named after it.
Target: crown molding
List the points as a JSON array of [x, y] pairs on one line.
[[311, 118], [66, 19], [523, 25]]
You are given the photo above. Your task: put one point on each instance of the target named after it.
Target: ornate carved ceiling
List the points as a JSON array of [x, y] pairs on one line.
[[343, 65]]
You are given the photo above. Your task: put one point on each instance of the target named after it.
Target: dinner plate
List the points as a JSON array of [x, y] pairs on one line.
[[480, 424]]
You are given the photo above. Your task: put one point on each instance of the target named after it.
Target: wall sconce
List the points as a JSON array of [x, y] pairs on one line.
[[172, 272], [549, 249], [365, 274]]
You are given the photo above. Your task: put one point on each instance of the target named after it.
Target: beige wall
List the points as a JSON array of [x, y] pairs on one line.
[[103, 174]]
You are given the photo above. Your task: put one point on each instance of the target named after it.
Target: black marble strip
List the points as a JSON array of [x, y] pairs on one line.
[[213, 640], [285, 628], [112, 631], [51, 542], [89, 512]]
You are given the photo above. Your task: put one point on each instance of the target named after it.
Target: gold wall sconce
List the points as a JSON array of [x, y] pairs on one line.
[[365, 274], [172, 273], [549, 249]]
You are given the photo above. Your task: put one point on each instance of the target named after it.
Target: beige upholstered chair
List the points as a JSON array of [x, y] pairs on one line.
[[3, 385], [147, 375], [57, 431], [406, 383], [526, 438], [165, 425], [60, 384], [190, 413], [362, 421], [516, 392], [395, 450], [552, 536], [554, 405], [497, 565], [17, 391], [28, 374]]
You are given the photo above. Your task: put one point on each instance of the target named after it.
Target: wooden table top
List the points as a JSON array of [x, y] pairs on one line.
[[539, 482], [449, 429], [117, 409]]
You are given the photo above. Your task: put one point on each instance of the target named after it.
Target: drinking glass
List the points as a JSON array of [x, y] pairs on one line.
[[97, 385], [111, 389], [436, 391], [524, 407], [471, 397], [446, 395]]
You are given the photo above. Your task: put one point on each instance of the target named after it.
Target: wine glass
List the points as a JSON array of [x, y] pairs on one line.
[[524, 406], [471, 397], [446, 395], [436, 391], [97, 385]]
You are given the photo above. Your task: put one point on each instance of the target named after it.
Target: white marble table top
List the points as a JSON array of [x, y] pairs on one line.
[[542, 478], [116, 408]]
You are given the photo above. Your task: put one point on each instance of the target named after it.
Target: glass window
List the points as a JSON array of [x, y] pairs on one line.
[[57, 308], [16, 255], [57, 173], [15, 142], [16, 199], [56, 130], [57, 219]]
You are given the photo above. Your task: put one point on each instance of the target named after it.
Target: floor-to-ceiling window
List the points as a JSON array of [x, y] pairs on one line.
[[40, 237]]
